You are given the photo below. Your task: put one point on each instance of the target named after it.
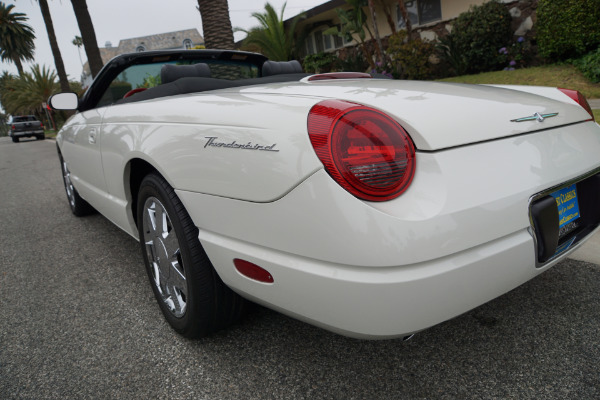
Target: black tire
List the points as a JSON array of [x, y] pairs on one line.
[[79, 206], [40, 137], [200, 303], [15, 139]]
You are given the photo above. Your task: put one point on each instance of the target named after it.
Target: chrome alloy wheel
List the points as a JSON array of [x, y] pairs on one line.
[[68, 184], [164, 256]]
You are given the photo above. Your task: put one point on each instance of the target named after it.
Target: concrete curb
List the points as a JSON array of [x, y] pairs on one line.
[[594, 103]]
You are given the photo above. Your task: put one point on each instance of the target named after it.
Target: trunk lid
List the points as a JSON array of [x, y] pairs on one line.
[[443, 115]]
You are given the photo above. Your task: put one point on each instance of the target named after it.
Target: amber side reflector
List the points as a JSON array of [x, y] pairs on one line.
[[253, 271]]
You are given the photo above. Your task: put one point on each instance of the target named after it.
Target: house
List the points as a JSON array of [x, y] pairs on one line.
[[185, 39], [430, 19]]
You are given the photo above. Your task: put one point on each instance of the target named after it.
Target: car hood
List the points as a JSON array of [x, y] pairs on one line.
[[443, 115]]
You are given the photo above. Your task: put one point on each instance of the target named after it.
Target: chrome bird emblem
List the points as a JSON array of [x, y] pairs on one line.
[[536, 116]]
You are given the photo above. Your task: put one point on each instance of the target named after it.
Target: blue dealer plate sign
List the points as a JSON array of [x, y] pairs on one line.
[[568, 207]]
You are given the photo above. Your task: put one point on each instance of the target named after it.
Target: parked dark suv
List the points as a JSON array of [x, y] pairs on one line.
[[26, 126]]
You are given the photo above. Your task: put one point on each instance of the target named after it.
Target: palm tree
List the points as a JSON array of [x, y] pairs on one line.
[[58, 61], [25, 94], [16, 37], [79, 43], [88, 35], [216, 24], [354, 26], [6, 80], [272, 37]]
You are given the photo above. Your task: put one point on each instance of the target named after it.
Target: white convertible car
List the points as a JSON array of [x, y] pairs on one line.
[[370, 207]]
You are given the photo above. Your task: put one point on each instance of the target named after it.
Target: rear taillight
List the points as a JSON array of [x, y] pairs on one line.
[[579, 99], [365, 151]]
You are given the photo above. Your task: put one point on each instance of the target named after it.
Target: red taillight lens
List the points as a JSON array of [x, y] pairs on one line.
[[580, 99], [365, 151]]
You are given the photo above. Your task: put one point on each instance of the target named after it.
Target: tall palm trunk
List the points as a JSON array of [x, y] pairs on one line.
[[58, 61], [388, 15], [377, 38], [406, 18], [19, 65], [88, 35], [216, 24]]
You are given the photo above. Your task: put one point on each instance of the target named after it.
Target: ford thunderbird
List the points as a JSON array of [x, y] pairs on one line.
[[373, 208]]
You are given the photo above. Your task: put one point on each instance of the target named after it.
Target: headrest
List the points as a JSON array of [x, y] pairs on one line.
[[281, 67], [171, 72]]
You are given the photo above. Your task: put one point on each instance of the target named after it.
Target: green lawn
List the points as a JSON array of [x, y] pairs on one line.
[[564, 76], [597, 115], [50, 133]]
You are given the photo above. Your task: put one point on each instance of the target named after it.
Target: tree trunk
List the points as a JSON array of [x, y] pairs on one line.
[[406, 17], [388, 15], [376, 30], [19, 65], [216, 24], [88, 35], [58, 61]]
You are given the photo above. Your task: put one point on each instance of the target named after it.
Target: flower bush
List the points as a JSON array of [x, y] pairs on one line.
[[321, 62], [409, 59], [517, 55]]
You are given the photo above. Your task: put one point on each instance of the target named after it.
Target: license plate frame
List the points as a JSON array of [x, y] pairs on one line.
[[567, 201]]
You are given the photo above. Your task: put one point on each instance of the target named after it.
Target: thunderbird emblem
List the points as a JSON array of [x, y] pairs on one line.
[[537, 116]]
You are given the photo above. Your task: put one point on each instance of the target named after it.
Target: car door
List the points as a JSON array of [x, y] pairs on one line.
[[81, 150]]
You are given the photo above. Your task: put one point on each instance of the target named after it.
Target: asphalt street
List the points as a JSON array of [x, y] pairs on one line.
[[78, 321]]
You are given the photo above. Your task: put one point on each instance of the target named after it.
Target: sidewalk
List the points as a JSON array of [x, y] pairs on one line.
[[594, 103], [590, 251]]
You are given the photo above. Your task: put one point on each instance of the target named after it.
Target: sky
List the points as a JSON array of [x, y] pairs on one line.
[[123, 19]]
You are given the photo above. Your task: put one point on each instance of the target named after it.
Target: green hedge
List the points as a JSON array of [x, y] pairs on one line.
[[479, 33], [567, 28], [589, 65]]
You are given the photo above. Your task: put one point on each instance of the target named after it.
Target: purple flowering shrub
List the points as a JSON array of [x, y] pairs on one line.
[[516, 55]]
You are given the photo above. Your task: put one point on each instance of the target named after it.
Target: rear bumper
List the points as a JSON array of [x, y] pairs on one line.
[[27, 133], [379, 303]]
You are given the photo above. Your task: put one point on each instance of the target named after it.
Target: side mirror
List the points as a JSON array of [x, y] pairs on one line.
[[63, 101]]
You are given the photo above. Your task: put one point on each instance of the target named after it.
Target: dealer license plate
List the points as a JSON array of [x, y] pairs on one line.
[[568, 209]]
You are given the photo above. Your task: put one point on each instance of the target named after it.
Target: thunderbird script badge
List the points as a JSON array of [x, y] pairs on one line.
[[213, 142]]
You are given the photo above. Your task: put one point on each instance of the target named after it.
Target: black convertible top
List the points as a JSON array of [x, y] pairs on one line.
[[118, 64], [202, 84]]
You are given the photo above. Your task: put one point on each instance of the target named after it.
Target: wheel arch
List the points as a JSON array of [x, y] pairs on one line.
[[135, 170]]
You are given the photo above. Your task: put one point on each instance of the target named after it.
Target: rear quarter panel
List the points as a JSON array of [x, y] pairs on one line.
[[173, 135]]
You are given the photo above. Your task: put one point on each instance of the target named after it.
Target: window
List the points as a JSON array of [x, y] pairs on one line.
[[318, 42], [140, 48], [187, 44], [420, 12]]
